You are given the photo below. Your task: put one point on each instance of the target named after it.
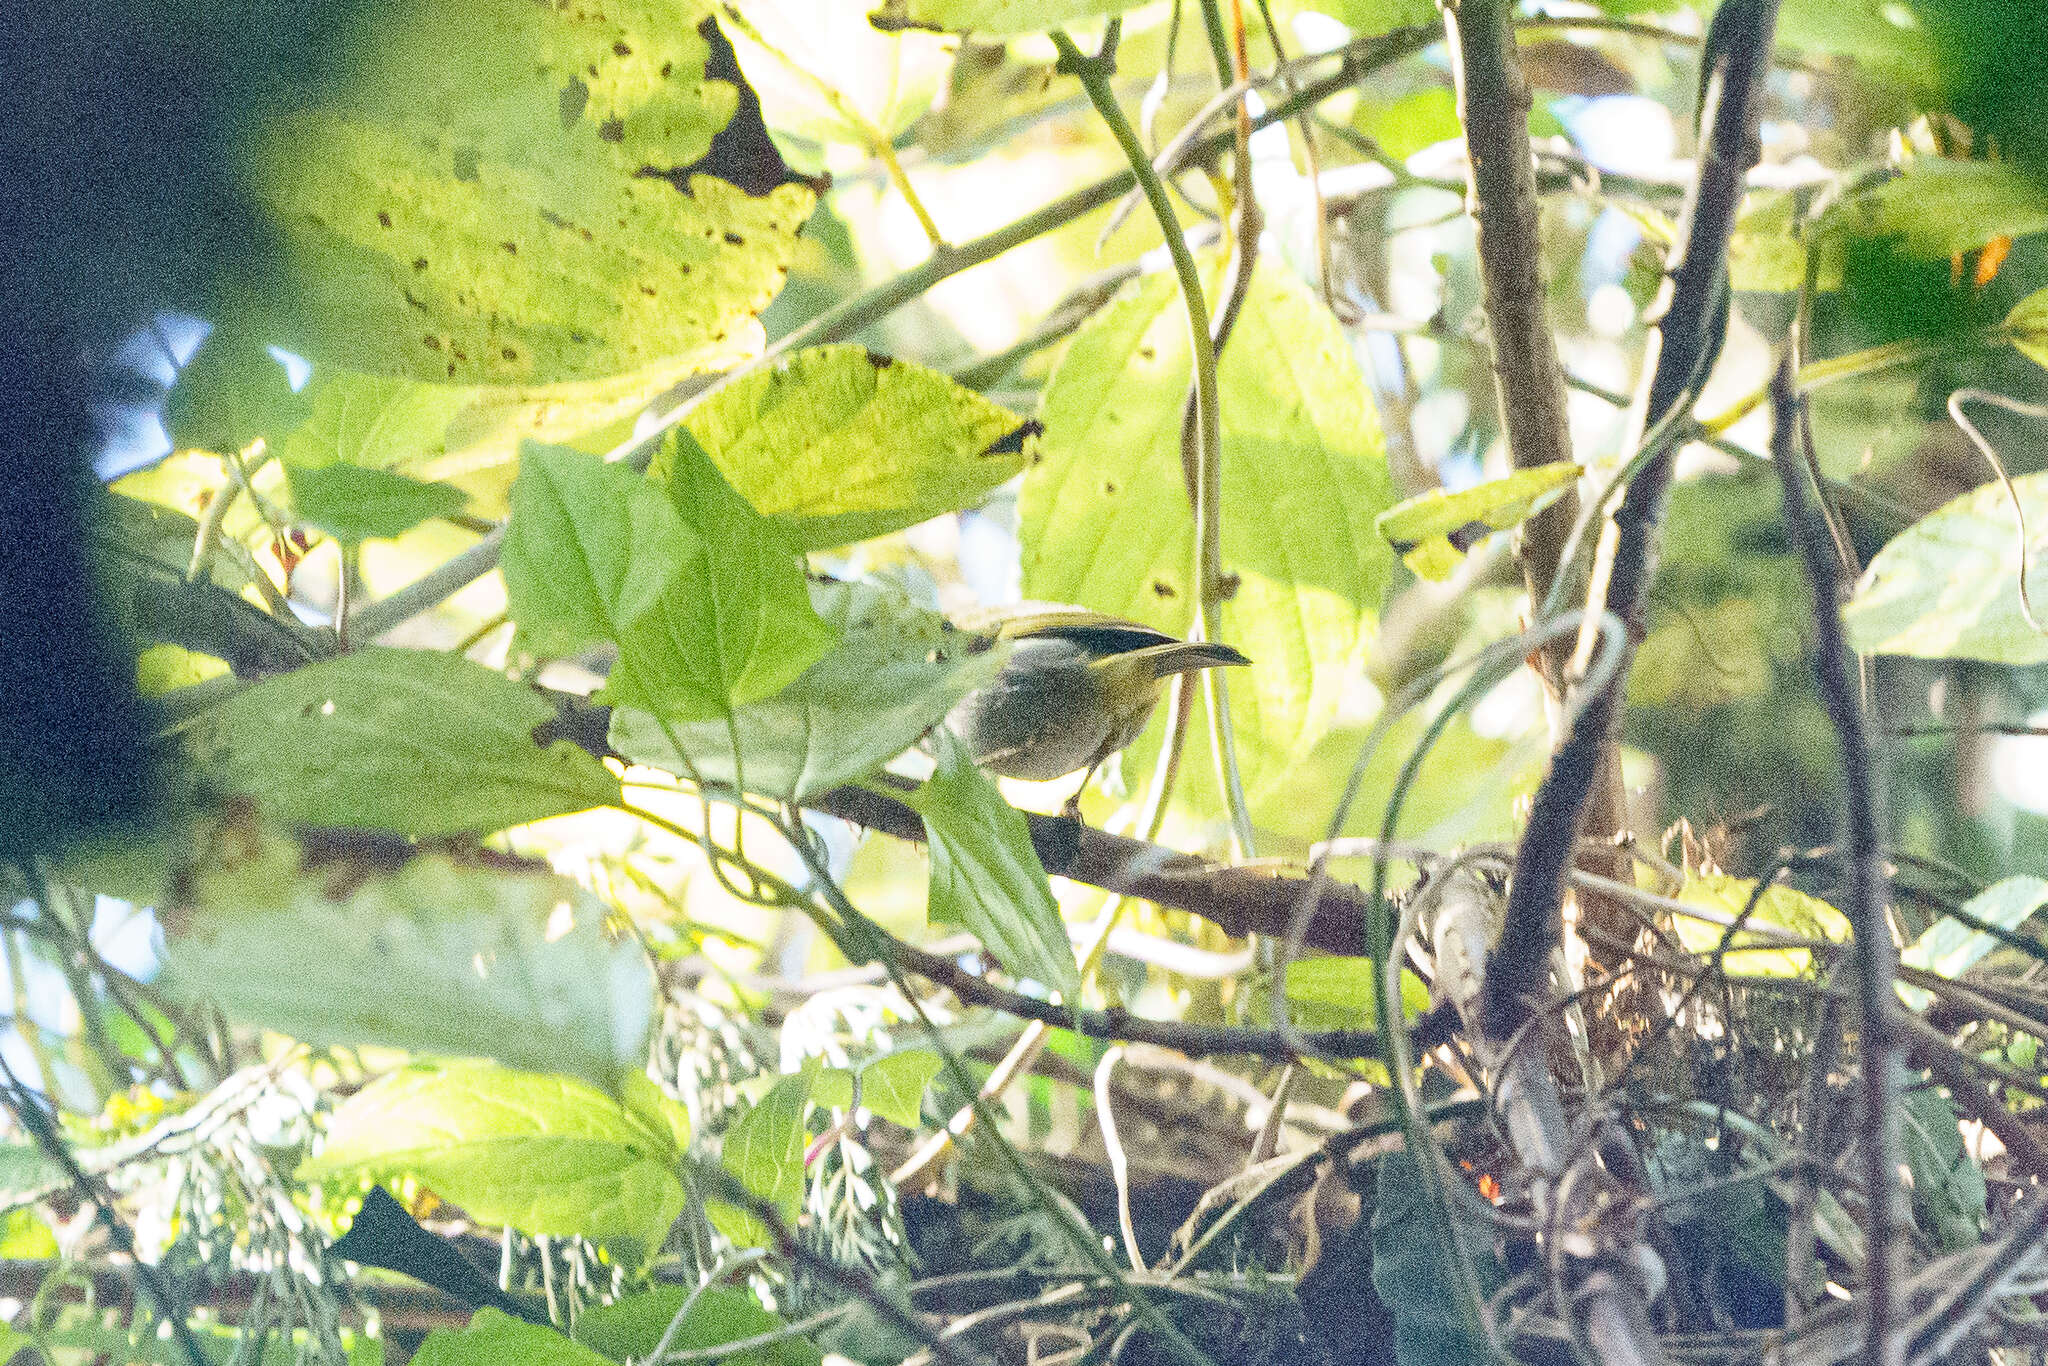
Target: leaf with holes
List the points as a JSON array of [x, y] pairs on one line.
[[412, 741], [495, 192], [838, 444], [1105, 519]]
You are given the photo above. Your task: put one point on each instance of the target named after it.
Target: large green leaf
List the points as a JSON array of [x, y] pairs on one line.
[[434, 955], [1105, 519], [736, 625], [632, 1327], [495, 1338], [991, 17], [1784, 909], [1951, 948], [539, 1153], [986, 874], [1948, 586], [1337, 993], [839, 444], [590, 549], [893, 1086], [493, 191], [414, 741], [703, 596], [896, 671]]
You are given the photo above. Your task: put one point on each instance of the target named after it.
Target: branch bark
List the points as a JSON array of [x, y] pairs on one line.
[[1240, 900], [1691, 323], [1529, 380]]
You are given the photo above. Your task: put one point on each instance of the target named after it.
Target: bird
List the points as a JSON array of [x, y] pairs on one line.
[[1076, 688]]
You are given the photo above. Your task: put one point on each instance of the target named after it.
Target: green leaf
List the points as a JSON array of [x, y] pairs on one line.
[[1338, 993], [736, 625], [230, 393], [1951, 948], [986, 874], [13, 1342], [1105, 520], [1765, 253], [1948, 1187], [631, 1328], [1936, 208], [495, 1338], [1889, 34], [895, 673], [764, 1148], [590, 550], [413, 741], [993, 18], [893, 1086], [470, 199], [354, 504], [432, 956], [25, 1238], [1415, 121], [2026, 327], [539, 1153], [1782, 908], [1420, 528], [1948, 587], [838, 444], [1413, 1260]]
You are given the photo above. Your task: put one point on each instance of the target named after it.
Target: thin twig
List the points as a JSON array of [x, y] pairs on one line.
[[1875, 956]]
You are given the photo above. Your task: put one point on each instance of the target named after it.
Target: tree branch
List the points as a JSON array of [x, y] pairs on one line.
[[1241, 900], [1688, 337], [1193, 1040], [1874, 954]]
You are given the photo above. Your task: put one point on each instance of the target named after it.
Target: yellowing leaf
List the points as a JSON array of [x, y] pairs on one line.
[[1753, 950], [838, 444], [1421, 527]]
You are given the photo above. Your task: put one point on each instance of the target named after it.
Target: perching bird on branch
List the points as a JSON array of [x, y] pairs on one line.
[[1078, 686]]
